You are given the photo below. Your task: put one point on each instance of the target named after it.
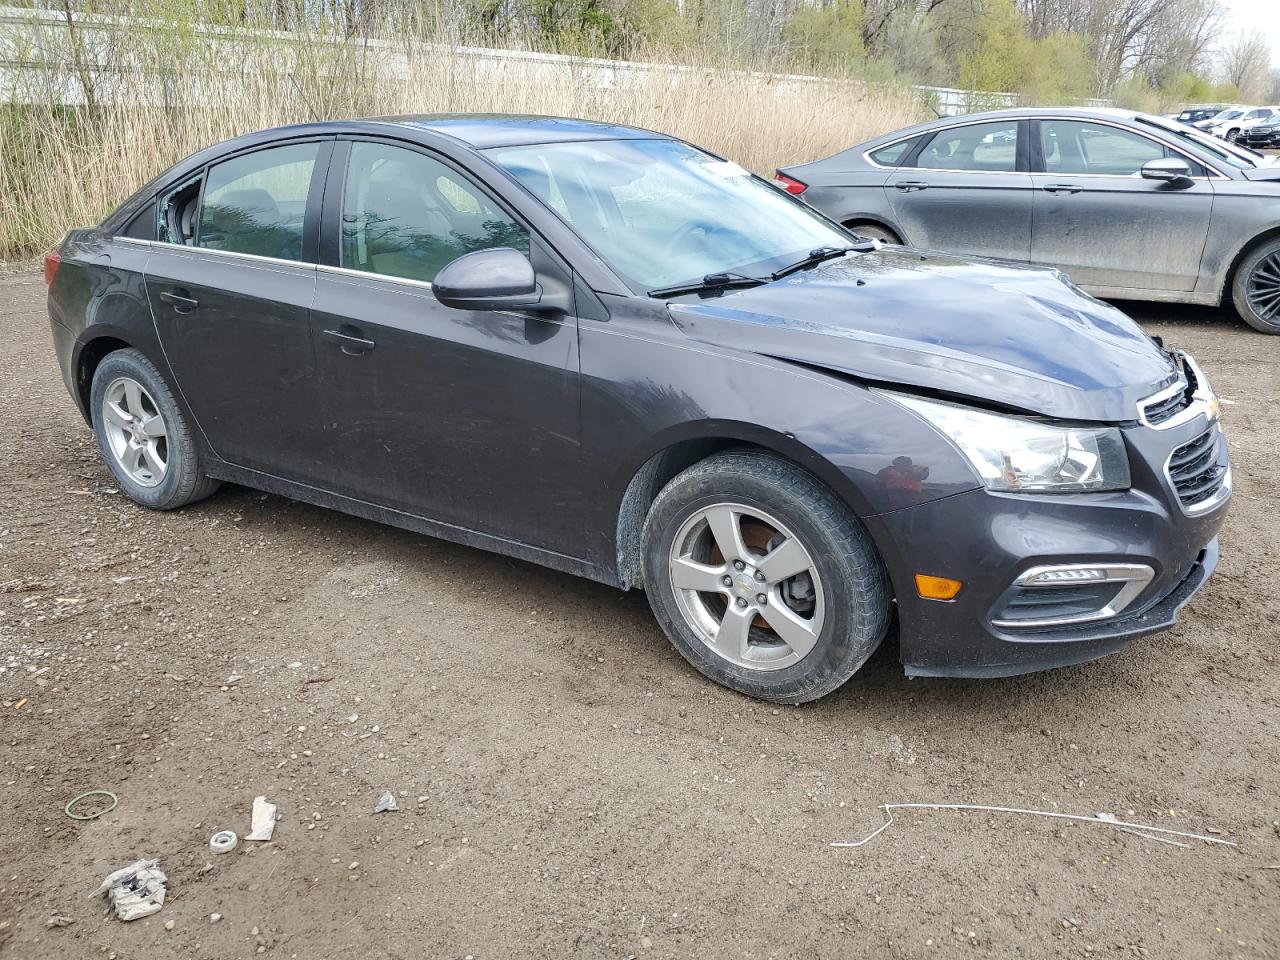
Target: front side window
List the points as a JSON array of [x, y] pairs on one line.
[[661, 212], [406, 215], [257, 203], [990, 147], [1077, 147]]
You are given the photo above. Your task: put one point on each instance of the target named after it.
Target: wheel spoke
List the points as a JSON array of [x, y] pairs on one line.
[[688, 574], [133, 399], [726, 528], [796, 633], [112, 411], [784, 561], [152, 459], [731, 637], [154, 427]]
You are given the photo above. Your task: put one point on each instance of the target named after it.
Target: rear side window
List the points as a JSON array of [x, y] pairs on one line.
[[991, 147], [407, 215], [894, 153], [1073, 146], [257, 203]]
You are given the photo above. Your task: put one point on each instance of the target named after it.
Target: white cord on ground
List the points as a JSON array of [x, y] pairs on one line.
[[1107, 819]]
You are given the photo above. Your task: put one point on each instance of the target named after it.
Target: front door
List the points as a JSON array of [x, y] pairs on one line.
[[967, 191], [466, 417], [1099, 220], [230, 287]]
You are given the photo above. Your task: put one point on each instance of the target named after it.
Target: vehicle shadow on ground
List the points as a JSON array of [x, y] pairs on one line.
[[1157, 315], [569, 600]]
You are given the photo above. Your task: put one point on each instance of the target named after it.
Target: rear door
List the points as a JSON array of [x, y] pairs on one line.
[[1100, 221], [230, 285], [966, 190]]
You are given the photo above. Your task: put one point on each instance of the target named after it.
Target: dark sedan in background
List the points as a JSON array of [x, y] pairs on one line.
[[1131, 206], [606, 351]]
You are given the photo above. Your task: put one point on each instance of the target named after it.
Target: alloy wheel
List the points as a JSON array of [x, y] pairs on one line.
[[747, 586], [136, 432], [1263, 288]]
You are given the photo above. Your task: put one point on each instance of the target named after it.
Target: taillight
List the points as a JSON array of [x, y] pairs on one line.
[[790, 184], [52, 260]]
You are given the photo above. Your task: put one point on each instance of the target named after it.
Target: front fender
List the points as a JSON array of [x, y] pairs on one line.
[[642, 378]]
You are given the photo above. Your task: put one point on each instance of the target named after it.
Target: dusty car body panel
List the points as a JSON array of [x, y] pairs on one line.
[[1117, 236]]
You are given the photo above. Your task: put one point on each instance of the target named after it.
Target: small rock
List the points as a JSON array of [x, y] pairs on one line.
[[168, 924], [215, 917]]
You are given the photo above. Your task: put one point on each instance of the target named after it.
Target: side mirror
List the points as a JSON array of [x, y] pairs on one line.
[[1170, 170], [496, 279]]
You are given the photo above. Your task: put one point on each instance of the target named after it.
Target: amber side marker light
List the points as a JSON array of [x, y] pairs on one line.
[[937, 588]]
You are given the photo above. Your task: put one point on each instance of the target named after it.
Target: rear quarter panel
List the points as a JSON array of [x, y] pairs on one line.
[[98, 295]]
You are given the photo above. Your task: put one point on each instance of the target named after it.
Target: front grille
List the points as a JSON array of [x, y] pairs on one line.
[[1194, 469], [1164, 407]]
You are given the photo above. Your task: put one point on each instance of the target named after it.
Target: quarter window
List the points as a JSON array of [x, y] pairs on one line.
[[257, 203], [991, 147], [407, 215], [1076, 147], [894, 153]]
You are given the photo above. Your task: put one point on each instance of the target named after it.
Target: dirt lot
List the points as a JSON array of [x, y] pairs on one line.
[[567, 785]]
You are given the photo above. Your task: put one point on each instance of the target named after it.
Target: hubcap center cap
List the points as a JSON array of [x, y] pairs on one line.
[[744, 585]]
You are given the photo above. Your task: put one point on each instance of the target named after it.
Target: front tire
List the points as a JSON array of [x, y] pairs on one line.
[[763, 579], [143, 436], [873, 231], [1256, 287]]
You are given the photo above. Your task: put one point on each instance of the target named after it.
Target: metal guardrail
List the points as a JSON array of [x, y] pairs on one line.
[[35, 68]]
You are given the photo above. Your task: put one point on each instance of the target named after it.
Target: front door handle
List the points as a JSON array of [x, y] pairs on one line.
[[911, 186], [180, 299], [352, 344], [1062, 188]]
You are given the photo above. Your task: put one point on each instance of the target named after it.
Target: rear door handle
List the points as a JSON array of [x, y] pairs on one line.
[[1062, 188], [911, 186], [180, 299], [351, 344]]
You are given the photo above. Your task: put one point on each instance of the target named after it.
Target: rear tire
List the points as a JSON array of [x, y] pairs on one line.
[[143, 436], [743, 616], [1256, 287], [874, 231]]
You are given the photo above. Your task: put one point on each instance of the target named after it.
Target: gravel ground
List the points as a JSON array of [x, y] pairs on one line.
[[567, 785]]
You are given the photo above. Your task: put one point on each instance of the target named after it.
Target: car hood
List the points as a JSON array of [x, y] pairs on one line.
[[996, 331]]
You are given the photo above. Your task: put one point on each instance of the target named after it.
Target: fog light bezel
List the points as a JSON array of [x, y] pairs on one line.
[[1135, 577]]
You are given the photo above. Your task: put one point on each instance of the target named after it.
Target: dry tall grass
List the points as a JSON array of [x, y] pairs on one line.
[[62, 167]]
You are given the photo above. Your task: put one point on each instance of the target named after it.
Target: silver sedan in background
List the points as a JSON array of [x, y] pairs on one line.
[[1130, 206]]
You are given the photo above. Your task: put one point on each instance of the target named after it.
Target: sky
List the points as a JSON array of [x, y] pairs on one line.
[[1260, 15]]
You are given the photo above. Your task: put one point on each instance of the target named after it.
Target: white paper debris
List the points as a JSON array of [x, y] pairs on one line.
[[136, 890], [386, 803], [264, 820]]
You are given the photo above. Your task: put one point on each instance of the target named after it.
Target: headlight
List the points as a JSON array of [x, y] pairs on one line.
[[1028, 456]]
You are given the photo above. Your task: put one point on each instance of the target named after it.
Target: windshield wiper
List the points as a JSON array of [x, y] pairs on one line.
[[712, 281], [820, 255]]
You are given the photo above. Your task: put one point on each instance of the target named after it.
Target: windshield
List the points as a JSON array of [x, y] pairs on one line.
[[663, 213], [1227, 115], [1230, 153]]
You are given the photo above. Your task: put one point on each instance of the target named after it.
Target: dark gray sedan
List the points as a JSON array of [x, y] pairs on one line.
[[609, 352], [1132, 206]]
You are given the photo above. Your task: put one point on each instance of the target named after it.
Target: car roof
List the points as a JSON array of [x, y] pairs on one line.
[[484, 130], [1012, 113]]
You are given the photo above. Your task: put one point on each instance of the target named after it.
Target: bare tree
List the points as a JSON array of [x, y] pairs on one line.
[[1246, 64]]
